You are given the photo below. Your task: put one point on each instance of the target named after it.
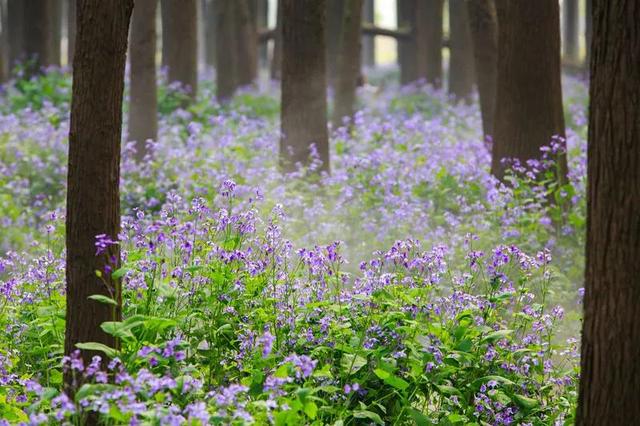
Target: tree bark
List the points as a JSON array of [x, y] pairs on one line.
[[304, 82], [333, 35], [276, 60], [461, 67], [368, 41], [55, 36], [484, 37], [93, 199], [38, 27], [71, 30], [246, 54], [210, 32], [143, 115], [588, 31], [529, 95], [610, 372], [570, 27], [348, 62], [16, 30], [226, 48], [180, 43], [260, 11]]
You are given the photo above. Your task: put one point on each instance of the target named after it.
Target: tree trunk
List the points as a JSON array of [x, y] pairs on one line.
[[55, 36], [210, 32], [261, 20], [246, 54], [71, 30], [484, 36], [570, 27], [143, 106], [304, 82], [16, 30], [368, 41], [461, 69], [276, 60], [38, 27], [180, 43], [588, 31], [4, 43], [610, 372], [226, 49], [348, 62], [333, 34], [93, 199], [529, 95]]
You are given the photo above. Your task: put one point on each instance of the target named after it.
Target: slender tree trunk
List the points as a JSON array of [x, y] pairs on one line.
[[246, 55], [333, 35], [304, 82], [4, 43], [368, 42], [570, 27], [276, 60], [461, 67], [529, 95], [409, 51], [348, 62], [261, 20], [16, 30], [226, 49], [588, 31], [71, 30], [210, 32], [610, 371], [55, 36], [180, 37], [484, 36], [38, 27], [93, 199], [143, 116]]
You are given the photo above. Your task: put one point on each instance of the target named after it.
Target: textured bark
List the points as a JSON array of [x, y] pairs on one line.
[[588, 31], [368, 41], [348, 62], [304, 82], [461, 67], [16, 29], [570, 45], [55, 36], [610, 371], [93, 199], [276, 60], [484, 37], [226, 48], [246, 54], [180, 43], [333, 34], [210, 32], [143, 106], [37, 29], [529, 95], [71, 30]]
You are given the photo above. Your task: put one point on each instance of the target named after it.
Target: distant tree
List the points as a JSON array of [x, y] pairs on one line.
[[368, 42], [246, 55], [55, 36], [71, 30], [93, 199], [276, 60], [484, 37], [210, 32], [143, 115], [38, 26], [180, 42], [349, 58], [226, 47], [16, 30], [529, 95], [570, 29], [4, 43], [461, 66], [588, 31], [334, 20], [260, 12], [610, 376], [304, 82]]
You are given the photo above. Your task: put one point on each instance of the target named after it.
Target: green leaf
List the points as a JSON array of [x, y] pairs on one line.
[[103, 299], [365, 414], [419, 418], [448, 390], [392, 380], [119, 273], [97, 347], [117, 329], [311, 409], [351, 363], [89, 389], [456, 418], [525, 402], [496, 335]]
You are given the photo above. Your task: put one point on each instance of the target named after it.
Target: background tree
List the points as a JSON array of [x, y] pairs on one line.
[[304, 82], [276, 60], [348, 61], [529, 95], [93, 199], [333, 34], [210, 32], [180, 42], [246, 54], [461, 67], [610, 373], [484, 37], [38, 26], [570, 29], [15, 29], [143, 115], [4, 43], [368, 41], [71, 30], [55, 36], [226, 75]]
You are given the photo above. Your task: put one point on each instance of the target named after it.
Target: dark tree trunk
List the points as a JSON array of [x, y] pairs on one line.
[[246, 55], [610, 371], [55, 36], [210, 32], [276, 60], [71, 30], [484, 36], [16, 30], [588, 31], [529, 95], [38, 27], [333, 34], [143, 106], [461, 67], [570, 29], [304, 82], [368, 41], [226, 49], [4, 44], [93, 199], [261, 20], [348, 62], [180, 43]]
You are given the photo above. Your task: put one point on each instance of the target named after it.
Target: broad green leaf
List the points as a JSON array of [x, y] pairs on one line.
[[496, 335], [97, 347], [351, 363], [103, 299], [366, 414]]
